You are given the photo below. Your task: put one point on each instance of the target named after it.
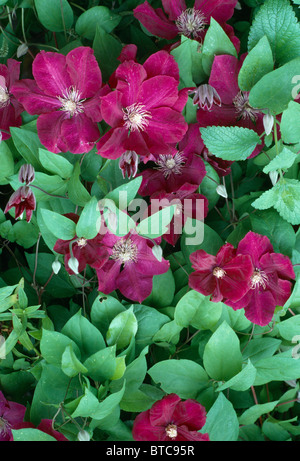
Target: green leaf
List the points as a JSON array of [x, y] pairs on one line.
[[284, 160], [189, 59], [104, 309], [211, 242], [290, 328], [290, 123], [28, 144], [122, 329], [53, 345], [258, 62], [31, 435], [185, 378], [76, 191], [195, 309], [7, 163], [89, 222], [157, 224], [124, 194], [60, 226], [101, 16], [276, 89], [277, 20], [70, 364], [102, 365], [284, 197], [117, 221], [221, 421], [253, 413], [107, 49], [55, 163], [87, 337], [160, 297], [242, 381], [216, 42], [277, 368], [230, 142], [56, 15], [222, 357]]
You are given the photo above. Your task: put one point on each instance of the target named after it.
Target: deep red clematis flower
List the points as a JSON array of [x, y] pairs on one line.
[[171, 420], [10, 108], [171, 171], [44, 426], [66, 96], [189, 205], [144, 110], [85, 251], [131, 266], [269, 284], [235, 109], [23, 199], [11, 413], [190, 22], [224, 276]]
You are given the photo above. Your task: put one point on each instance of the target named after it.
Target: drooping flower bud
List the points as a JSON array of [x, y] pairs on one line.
[[129, 163], [205, 97], [73, 264], [83, 436], [56, 266], [221, 190], [22, 199], [26, 173], [268, 122], [157, 252], [274, 177]]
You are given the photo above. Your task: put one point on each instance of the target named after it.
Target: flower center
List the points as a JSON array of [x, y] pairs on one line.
[[81, 242], [71, 102], [136, 117], [125, 251], [191, 23], [171, 431], [169, 164], [259, 278], [243, 108], [219, 272]]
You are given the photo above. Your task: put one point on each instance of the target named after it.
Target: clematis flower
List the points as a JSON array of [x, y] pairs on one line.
[[66, 96], [171, 420], [224, 276], [189, 205], [190, 22], [131, 266], [84, 251], [171, 171], [144, 110], [129, 163], [26, 174], [11, 413], [10, 108], [23, 199], [235, 109], [269, 284], [44, 426]]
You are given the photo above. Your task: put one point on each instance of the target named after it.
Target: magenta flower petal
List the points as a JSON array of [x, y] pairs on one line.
[[158, 91], [220, 10], [130, 76], [111, 108], [144, 431], [155, 21], [11, 414], [79, 134], [161, 63], [111, 144], [202, 261], [134, 285], [107, 277], [49, 129], [256, 245], [167, 124], [227, 86], [203, 282], [189, 413], [46, 426], [50, 73], [34, 100], [174, 8], [84, 71]]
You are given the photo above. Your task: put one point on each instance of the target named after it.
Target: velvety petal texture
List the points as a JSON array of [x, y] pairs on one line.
[[171, 419], [11, 413]]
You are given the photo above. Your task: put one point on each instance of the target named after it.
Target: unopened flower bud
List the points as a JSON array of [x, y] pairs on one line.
[[268, 122], [56, 265], [221, 190], [129, 163], [22, 199], [21, 50], [73, 264], [26, 173], [205, 97], [83, 436], [274, 177], [157, 252]]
